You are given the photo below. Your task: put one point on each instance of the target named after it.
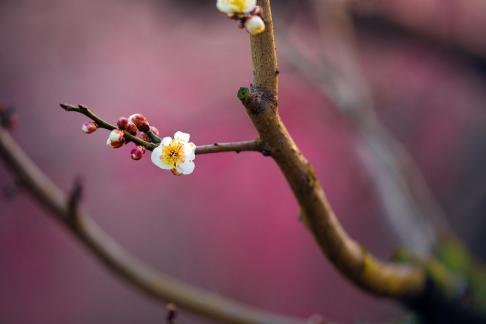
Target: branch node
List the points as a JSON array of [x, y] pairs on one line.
[[257, 99]]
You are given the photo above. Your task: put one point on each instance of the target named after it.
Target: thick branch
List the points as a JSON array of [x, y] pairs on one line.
[[159, 286], [386, 279]]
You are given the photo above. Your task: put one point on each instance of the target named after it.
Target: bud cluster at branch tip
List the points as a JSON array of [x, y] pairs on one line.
[[246, 12], [176, 155]]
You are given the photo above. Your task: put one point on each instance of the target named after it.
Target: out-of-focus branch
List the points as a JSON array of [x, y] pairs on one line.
[[243, 146], [415, 219], [454, 38], [156, 285], [352, 260]]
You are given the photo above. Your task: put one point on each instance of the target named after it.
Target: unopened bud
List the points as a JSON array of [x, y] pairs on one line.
[[140, 121], [132, 129], [255, 25], [137, 153], [89, 127], [155, 130], [122, 123], [116, 138]]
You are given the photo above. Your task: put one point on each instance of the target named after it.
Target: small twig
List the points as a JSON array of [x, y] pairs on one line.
[[244, 146], [106, 125]]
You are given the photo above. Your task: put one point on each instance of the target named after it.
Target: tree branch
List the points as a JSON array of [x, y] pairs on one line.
[[156, 285], [244, 146], [381, 278]]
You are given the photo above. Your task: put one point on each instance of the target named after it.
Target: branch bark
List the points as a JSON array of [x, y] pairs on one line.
[[352, 260]]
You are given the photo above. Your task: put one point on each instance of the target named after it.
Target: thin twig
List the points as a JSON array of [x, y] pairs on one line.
[[106, 125], [244, 146], [156, 285]]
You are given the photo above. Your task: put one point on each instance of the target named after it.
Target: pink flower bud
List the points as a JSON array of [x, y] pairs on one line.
[[155, 130], [132, 129], [122, 123], [137, 153], [140, 121], [89, 127], [116, 138]]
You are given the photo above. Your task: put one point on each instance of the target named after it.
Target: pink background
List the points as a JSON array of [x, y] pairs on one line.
[[232, 226]]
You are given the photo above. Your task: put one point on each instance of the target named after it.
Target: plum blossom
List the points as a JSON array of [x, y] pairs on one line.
[[175, 154], [236, 7]]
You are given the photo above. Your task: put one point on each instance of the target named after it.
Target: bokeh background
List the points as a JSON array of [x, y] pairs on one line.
[[232, 227]]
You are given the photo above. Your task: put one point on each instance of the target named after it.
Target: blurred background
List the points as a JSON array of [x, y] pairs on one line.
[[232, 227]]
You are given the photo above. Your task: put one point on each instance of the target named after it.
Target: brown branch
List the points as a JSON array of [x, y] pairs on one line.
[[409, 207], [106, 125], [244, 146], [381, 278], [156, 285]]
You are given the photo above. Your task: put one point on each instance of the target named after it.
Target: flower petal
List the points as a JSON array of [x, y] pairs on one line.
[[235, 6], [165, 141], [157, 159], [189, 151], [182, 137], [186, 168]]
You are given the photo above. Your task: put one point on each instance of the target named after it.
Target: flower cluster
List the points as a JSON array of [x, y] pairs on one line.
[[176, 155], [246, 12]]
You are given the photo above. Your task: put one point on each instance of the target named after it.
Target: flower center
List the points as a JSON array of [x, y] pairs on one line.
[[239, 4], [173, 153]]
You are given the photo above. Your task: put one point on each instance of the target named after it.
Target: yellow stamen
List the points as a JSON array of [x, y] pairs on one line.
[[173, 153]]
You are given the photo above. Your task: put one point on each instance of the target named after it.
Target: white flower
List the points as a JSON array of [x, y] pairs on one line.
[[255, 25], [175, 154], [238, 7]]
